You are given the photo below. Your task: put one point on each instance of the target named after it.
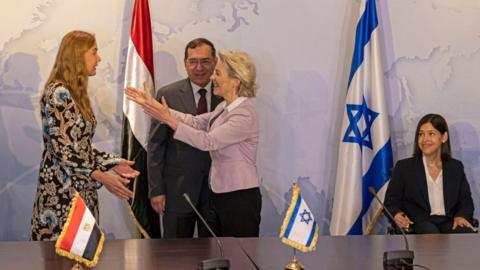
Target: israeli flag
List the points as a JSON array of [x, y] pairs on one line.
[[299, 229], [365, 149]]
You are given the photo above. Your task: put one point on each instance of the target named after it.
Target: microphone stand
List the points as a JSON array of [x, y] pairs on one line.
[[221, 263], [395, 258]]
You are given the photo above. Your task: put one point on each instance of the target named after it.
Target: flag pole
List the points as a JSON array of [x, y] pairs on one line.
[[294, 264], [139, 227], [375, 218]]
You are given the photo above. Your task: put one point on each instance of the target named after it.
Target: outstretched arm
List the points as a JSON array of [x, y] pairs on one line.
[[151, 106]]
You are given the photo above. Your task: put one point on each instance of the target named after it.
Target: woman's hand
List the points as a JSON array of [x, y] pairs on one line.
[[151, 106], [402, 220], [461, 222], [138, 96], [124, 169], [114, 183], [161, 112]]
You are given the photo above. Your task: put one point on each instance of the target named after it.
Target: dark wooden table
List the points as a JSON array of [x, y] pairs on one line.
[[437, 252], [127, 254]]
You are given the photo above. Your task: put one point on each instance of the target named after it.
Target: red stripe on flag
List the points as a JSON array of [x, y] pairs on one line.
[[141, 33], [74, 224]]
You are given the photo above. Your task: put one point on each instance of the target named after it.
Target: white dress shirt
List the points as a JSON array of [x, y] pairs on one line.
[[435, 192]]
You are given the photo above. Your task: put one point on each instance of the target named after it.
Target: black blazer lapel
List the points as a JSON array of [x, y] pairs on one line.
[[448, 186], [422, 177]]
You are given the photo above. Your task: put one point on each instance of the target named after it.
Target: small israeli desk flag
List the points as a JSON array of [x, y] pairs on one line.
[[299, 229]]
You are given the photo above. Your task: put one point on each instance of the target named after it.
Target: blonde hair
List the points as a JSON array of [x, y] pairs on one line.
[[240, 65], [70, 70]]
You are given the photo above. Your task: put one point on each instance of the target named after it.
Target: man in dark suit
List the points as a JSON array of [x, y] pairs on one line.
[[174, 167]]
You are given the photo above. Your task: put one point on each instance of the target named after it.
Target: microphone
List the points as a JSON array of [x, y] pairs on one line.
[[210, 264], [396, 258]]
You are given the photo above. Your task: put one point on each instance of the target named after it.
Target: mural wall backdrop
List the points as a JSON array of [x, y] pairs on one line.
[[303, 51]]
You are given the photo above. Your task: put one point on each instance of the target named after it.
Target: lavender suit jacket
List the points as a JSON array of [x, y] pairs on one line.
[[232, 139]]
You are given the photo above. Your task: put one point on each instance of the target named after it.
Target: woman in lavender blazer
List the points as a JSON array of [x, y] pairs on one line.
[[230, 133]]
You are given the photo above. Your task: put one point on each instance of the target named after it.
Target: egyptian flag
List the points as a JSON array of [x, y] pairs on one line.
[[139, 69], [81, 238]]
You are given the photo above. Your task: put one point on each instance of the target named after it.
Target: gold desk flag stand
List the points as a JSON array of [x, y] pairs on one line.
[[294, 264], [299, 229], [77, 266]]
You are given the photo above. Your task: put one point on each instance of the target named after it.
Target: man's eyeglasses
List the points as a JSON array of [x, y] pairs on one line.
[[204, 62]]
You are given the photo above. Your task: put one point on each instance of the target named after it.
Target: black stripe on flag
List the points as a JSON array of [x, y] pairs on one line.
[[92, 243], [141, 207]]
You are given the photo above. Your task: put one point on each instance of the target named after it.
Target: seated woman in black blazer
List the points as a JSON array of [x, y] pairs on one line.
[[429, 191]]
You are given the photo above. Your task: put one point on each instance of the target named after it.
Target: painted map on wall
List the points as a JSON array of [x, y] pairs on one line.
[[302, 50]]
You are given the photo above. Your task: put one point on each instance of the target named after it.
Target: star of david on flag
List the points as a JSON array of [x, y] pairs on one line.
[[305, 216], [299, 229], [359, 115], [365, 150]]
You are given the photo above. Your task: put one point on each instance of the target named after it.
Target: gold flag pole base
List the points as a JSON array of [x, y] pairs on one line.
[[77, 266], [294, 264]]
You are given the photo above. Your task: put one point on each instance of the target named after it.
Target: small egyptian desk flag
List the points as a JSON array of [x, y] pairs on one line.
[[81, 238], [299, 228]]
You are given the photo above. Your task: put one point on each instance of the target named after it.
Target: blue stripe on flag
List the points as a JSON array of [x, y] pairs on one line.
[[312, 234], [376, 176], [293, 216], [367, 23]]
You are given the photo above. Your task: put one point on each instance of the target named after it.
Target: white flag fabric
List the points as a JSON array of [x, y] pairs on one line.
[[365, 150], [139, 69], [81, 238], [299, 229]]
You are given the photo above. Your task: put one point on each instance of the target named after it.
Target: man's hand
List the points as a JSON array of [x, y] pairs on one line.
[[158, 203]]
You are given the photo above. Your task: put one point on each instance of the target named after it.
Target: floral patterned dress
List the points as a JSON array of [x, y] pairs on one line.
[[68, 160]]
